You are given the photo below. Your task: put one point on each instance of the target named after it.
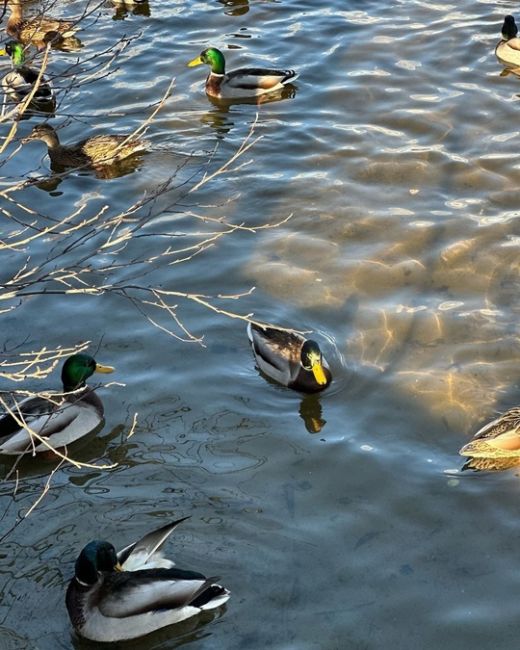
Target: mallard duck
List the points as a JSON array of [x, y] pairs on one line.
[[96, 151], [40, 30], [508, 49], [289, 358], [497, 445], [242, 83], [75, 416], [18, 83], [119, 596]]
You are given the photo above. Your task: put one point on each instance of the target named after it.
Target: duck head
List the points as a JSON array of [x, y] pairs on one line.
[[78, 368], [15, 50], [311, 359], [211, 57], [509, 28], [96, 558]]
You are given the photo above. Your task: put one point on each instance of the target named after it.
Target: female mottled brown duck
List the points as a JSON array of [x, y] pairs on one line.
[[289, 358], [40, 30], [496, 445], [97, 151]]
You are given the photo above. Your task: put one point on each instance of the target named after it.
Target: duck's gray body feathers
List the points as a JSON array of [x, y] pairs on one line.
[[77, 415], [131, 604]]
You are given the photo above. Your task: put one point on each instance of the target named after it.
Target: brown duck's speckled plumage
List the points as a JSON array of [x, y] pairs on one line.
[[491, 464], [37, 29], [91, 152], [497, 445]]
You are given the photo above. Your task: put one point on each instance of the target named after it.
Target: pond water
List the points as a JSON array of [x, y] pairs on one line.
[[338, 520]]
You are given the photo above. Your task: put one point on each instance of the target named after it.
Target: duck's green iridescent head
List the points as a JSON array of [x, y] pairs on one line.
[[509, 28], [97, 557], [78, 368], [15, 50], [211, 57], [311, 359]]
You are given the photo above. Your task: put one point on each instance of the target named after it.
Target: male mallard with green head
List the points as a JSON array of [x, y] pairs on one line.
[[78, 412], [92, 152], [242, 83], [120, 596], [289, 358], [20, 82]]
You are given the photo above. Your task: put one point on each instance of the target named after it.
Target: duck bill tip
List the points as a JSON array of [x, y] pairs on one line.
[[104, 369]]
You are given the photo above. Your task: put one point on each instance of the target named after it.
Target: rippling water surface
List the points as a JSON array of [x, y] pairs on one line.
[[397, 156]]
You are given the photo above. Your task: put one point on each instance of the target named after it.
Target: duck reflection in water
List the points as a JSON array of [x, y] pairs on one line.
[[311, 413], [220, 118], [135, 7], [235, 7]]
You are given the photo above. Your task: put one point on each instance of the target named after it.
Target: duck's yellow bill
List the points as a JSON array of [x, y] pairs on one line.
[[319, 373], [196, 61], [104, 369], [118, 567], [2, 52]]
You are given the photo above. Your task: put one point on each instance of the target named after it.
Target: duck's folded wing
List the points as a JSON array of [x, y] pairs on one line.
[[136, 555], [30, 408], [250, 78], [44, 423], [132, 593], [278, 348]]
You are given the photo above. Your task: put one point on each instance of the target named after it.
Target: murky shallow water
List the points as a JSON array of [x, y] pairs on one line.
[[397, 158]]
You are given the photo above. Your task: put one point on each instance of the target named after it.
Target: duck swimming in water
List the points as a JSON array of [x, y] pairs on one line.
[[508, 49], [241, 83], [289, 358], [20, 82], [93, 152], [40, 30], [78, 412], [119, 596], [496, 445]]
